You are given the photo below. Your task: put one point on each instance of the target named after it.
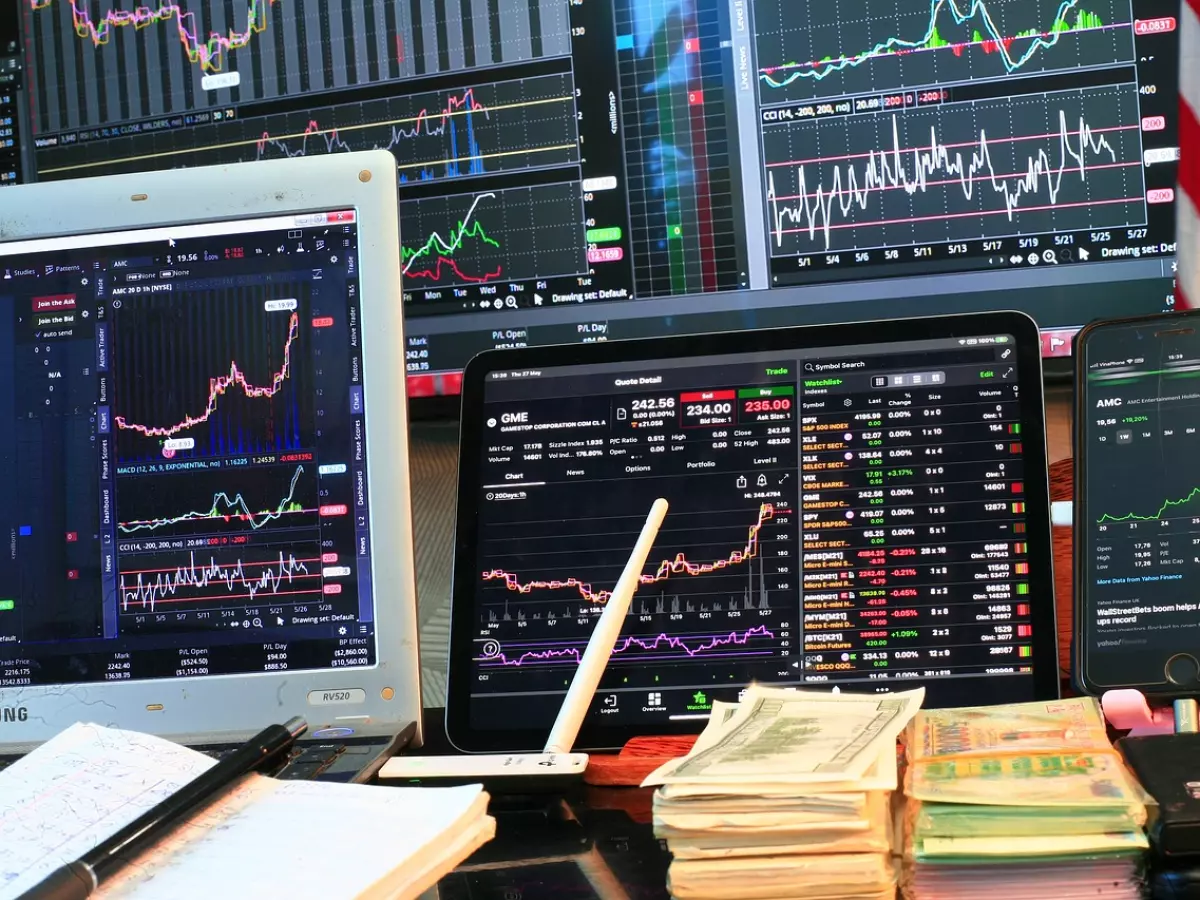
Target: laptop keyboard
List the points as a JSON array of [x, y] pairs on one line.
[[305, 763], [308, 762]]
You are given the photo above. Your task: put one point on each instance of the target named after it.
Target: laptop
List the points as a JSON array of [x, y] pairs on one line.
[[860, 506], [204, 483]]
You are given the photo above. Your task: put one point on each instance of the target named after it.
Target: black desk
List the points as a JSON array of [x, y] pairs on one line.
[[565, 848], [589, 842]]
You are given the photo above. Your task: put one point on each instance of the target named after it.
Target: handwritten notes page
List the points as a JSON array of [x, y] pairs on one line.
[[266, 838]]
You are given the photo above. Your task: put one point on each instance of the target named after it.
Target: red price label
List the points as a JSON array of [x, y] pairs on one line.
[[1161, 25]]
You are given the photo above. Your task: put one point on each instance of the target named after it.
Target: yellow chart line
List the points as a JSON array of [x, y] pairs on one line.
[[302, 134]]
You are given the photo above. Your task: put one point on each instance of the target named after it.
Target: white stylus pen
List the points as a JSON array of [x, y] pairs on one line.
[[604, 637]]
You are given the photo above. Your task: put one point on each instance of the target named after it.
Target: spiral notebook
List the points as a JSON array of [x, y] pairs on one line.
[[266, 838]]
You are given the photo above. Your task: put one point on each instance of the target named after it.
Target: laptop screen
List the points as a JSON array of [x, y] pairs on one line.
[[849, 516], [182, 458]]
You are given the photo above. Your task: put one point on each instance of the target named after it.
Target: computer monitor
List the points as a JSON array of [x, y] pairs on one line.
[[203, 472], [581, 170]]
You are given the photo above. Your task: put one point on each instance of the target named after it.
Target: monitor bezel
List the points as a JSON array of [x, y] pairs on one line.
[[234, 707], [1046, 676]]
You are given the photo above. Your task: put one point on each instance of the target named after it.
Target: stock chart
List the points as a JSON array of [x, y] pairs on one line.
[[833, 49], [99, 64], [956, 133], [232, 501], [513, 234], [957, 170], [715, 592], [212, 375]]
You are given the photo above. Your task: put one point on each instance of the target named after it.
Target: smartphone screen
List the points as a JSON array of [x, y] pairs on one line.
[[1139, 522]]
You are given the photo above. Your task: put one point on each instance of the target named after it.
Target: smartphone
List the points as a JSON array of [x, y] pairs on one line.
[[1137, 505]]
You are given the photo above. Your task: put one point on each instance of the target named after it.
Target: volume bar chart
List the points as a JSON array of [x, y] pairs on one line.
[[1068, 160], [512, 234], [102, 63], [841, 48]]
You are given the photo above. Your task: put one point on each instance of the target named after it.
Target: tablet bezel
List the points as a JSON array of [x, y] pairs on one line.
[[808, 337]]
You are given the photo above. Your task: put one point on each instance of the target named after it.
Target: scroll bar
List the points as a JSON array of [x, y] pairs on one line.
[[746, 104]]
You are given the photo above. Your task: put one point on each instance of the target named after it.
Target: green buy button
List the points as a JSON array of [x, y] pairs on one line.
[[778, 390], [603, 235]]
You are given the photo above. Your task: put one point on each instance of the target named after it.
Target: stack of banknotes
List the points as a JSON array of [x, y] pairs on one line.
[[786, 794], [1024, 800]]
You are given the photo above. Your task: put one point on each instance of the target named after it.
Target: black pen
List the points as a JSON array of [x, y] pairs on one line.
[[77, 880]]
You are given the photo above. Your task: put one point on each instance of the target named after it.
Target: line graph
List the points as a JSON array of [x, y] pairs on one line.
[[207, 52], [229, 510], [990, 168], [234, 579], [1167, 505], [209, 373], [517, 233], [677, 565], [217, 388], [932, 42], [93, 64], [669, 647], [491, 127]]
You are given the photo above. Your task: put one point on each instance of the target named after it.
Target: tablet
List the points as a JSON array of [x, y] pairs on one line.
[[860, 507]]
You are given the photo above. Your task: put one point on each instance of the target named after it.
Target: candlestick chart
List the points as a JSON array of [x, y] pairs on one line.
[[96, 64], [1069, 160], [845, 48], [212, 374], [517, 233]]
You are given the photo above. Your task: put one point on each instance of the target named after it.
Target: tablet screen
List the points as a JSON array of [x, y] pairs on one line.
[[852, 516]]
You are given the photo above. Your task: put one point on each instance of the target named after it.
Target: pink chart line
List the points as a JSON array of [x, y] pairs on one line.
[[733, 638]]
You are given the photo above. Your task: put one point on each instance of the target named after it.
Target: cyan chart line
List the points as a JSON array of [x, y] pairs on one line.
[[893, 44]]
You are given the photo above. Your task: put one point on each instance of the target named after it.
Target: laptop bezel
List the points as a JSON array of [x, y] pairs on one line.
[[220, 708], [464, 615]]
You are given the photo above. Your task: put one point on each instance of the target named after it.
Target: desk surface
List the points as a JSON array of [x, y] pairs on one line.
[[597, 844]]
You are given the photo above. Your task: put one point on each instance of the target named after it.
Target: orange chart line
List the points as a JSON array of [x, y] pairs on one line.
[[680, 565]]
